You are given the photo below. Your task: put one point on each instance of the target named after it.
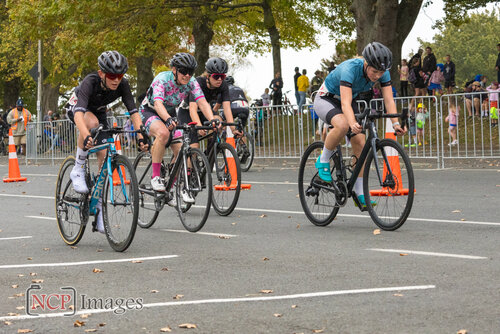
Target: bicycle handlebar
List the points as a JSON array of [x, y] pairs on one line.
[[378, 113]]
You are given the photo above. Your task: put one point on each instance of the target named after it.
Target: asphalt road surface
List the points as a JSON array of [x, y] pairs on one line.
[[264, 268]]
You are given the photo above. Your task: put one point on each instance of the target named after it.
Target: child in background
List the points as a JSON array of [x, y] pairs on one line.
[[266, 99], [452, 119], [421, 116], [403, 77], [413, 128], [493, 98], [436, 78]]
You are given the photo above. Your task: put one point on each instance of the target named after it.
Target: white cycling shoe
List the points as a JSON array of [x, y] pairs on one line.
[[77, 177], [186, 197], [157, 184]]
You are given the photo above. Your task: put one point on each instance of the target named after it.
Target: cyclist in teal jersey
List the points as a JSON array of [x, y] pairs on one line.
[[158, 109], [335, 104]]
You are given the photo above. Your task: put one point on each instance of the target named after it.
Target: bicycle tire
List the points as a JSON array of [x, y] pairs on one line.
[[394, 202], [148, 213], [311, 203], [120, 229], [250, 146], [67, 201], [221, 197], [193, 216]]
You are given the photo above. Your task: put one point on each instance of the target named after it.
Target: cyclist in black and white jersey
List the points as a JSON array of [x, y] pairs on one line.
[[239, 103], [87, 109]]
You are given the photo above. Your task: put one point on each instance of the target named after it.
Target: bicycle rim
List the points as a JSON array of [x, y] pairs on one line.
[[147, 208], [121, 205], [199, 186], [226, 177], [67, 205], [319, 205], [393, 201]]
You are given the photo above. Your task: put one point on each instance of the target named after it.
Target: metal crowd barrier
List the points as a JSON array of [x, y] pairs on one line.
[[285, 132]]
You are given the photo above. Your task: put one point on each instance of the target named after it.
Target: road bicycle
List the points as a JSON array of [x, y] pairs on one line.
[[115, 183], [225, 169], [187, 173], [245, 149], [388, 180]]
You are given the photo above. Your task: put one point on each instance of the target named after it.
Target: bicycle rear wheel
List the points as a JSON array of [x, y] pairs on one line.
[[394, 199], [319, 204], [147, 208], [246, 152], [226, 176], [120, 204], [199, 186], [68, 202]]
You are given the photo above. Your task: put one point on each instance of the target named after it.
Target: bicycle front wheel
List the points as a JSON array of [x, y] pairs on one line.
[[319, 204], [226, 175], [147, 208], [120, 204], [246, 152], [389, 203], [68, 202], [198, 187]]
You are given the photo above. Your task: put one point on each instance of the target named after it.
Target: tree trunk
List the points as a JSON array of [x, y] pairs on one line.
[[274, 34], [11, 93], [50, 98], [145, 75], [387, 22], [203, 33]]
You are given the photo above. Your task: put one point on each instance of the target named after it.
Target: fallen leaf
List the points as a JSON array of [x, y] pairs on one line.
[[456, 211], [164, 269], [97, 270], [20, 308], [187, 326], [376, 231], [20, 275], [298, 225], [99, 250], [11, 297], [223, 237], [318, 330], [30, 258], [165, 329], [154, 291], [102, 324], [90, 330], [262, 216], [398, 295], [8, 323], [265, 259], [85, 316], [33, 274], [79, 323], [463, 219], [233, 224], [46, 249], [297, 195], [37, 281], [178, 296], [277, 315], [136, 261], [13, 314], [24, 331], [403, 254], [71, 307], [266, 291], [462, 331], [74, 247], [294, 306], [15, 286]]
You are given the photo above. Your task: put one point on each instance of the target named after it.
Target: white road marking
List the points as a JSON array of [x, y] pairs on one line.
[[236, 300], [41, 217], [466, 222], [264, 182], [14, 238], [404, 251], [64, 264], [202, 233]]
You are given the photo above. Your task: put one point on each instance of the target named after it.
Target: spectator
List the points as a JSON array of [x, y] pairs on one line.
[[18, 118], [295, 78], [417, 56], [413, 128], [429, 64], [277, 85], [303, 85], [316, 82], [422, 115], [266, 99], [48, 117], [416, 79], [331, 67], [449, 74], [436, 78], [452, 119], [497, 65], [493, 98], [403, 77], [473, 100]]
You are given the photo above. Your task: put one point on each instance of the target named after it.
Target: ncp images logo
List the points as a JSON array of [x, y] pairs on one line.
[[40, 301]]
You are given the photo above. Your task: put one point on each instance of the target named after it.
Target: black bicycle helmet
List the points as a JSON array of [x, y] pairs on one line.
[[229, 80], [183, 59], [216, 65], [112, 62], [378, 56]]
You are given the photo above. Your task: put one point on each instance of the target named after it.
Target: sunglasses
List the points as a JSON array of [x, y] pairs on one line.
[[112, 76], [186, 71], [218, 76]]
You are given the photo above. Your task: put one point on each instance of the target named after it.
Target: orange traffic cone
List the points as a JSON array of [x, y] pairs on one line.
[[393, 158], [14, 173], [232, 166], [118, 146]]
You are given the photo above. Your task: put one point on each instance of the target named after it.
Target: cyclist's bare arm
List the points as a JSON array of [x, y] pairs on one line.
[[162, 111], [346, 101], [390, 106], [228, 114], [217, 106]]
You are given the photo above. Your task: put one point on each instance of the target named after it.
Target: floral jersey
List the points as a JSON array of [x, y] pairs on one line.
[[165, 89]]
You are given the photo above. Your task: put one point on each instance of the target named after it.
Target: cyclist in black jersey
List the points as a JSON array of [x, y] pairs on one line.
[[87, 109], [239, 102], [212, 84]]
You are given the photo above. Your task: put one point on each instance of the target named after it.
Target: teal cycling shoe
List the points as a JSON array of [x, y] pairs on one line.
[[323, 170], [361, 199]]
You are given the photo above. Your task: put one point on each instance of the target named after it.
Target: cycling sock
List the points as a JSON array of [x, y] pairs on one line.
[[81, 156], [325, 155], [156, 169], [358, 186]]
